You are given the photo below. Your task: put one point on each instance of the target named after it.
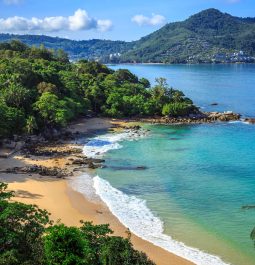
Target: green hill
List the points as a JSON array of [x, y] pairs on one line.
[[88, 49], [209, 36]]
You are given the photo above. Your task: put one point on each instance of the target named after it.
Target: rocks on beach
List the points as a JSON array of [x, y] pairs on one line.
[[91, 163], [41, 170], [203, 117], [52, 149]]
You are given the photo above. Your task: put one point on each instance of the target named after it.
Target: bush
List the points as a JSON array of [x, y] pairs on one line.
[[66, 245], [27, 237], [177, 109], [21, 230]]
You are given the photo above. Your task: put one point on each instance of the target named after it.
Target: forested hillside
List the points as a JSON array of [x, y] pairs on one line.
[[41, 90], [207, 37], [87, 49]]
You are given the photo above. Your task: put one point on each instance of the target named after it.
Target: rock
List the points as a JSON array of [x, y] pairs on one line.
[[88, 161], [214, 104], [92, 165], [41, 170], [250, 120], [78, 162], [141, 168]]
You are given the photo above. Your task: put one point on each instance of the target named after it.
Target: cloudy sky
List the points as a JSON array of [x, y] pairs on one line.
[[105, 19]]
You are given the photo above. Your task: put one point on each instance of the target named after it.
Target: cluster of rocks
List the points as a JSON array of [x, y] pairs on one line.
[[250, 120], [51, 150], [134, 128], [223, 116], [91, 163], [205, 117], [41, 170]]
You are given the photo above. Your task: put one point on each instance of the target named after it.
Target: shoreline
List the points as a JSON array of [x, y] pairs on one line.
[[63, 202], [207, 63]]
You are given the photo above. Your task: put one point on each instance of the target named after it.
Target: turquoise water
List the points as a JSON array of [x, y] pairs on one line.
[[198, 177]]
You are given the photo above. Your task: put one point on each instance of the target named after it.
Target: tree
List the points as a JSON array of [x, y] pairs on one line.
[[177, 109], [15, 95], [118, 250], [31, 124], [145, 82], [124, 75], [21, 230], [160, 93], [62, 56], [40, 88], [66, 245], [97, 236], [28, 237], [47, 87], [12, 120], [51, 110]]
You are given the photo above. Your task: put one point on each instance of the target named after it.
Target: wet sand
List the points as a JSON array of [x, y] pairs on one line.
[[67, 205]]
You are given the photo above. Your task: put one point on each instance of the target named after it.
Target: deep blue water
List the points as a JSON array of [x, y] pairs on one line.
[[232, 86], [197, 177]]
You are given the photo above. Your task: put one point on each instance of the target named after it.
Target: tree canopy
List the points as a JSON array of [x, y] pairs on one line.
[[40, 88], [28, 237]]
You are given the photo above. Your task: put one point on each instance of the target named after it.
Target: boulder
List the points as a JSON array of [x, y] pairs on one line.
[[250, 120]]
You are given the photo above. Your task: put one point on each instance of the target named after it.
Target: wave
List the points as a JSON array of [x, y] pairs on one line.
[[135, 215], [131, 211], [101, 144], [240, 121], [84, 185]]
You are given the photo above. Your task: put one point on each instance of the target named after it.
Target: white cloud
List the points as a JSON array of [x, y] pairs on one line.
[[104, 25], [80, 20], [154, 20]]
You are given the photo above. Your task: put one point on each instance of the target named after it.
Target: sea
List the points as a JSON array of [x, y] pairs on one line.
[[184, 187]]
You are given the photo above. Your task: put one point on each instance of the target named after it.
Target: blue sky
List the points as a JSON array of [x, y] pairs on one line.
[[106, 19]]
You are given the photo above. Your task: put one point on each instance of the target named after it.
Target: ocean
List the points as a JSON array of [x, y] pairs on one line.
[[182, 187]]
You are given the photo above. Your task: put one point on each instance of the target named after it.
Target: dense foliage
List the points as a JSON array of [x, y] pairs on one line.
[[41, 89], [28, 237], [198, 39], [86, 49]]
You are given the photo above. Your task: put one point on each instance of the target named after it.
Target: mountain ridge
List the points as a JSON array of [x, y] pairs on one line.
[[206, 37]]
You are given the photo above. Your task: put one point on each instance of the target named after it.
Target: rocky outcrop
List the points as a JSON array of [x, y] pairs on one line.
[[41, 170], [198, 118], [91, 163], [223, 116], [250, 120], [50, 150]]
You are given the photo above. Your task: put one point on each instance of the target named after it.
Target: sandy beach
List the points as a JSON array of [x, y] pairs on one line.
[[65, 204]]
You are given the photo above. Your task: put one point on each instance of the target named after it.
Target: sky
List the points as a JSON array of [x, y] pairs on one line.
[[106, 19]]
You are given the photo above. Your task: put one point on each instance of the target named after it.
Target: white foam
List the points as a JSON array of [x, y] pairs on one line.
[[101, 144], [240, 121], [84, 184], [130, 210], [135, 215]]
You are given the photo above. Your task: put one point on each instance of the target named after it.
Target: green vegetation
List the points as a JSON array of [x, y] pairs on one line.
[[41, 89], [86, 49], [209, 36], [28, 237]]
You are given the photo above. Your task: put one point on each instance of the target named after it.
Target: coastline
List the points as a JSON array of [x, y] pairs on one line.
[[68, 205]]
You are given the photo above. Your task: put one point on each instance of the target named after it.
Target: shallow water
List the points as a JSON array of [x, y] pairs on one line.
[[192, 180], [196, 185]]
